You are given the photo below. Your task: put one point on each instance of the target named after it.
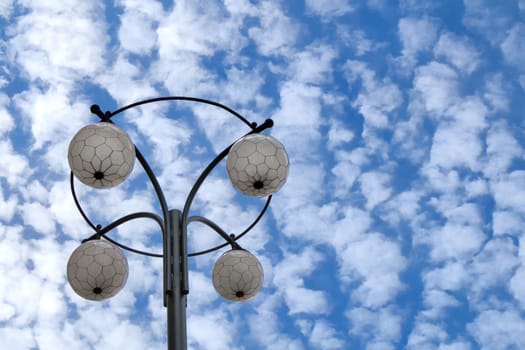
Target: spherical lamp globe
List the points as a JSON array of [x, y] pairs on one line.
[[97, 270], [257, 165], [237, 275], [101, 155]]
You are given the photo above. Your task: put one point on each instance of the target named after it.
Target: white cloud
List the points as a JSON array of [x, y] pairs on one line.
[[338, 135], [42, 43], [513, 46], [359, 41], [252, 82], [324, 336], [65, 213], [493, 266], [496, 93], [488, 18], [289, 277], [182, 30], [8, 206], [461, 235], [403, 206], [379, 5], [476, 187], [375, 326], [51, 115], [300, 106], [186, 36], [460, 52], [124, 73], [15, 167], [412, 144], [509, 191], [328, 9], [276, 34], [452, 276], [345, 173], [240, 7], [17, 338], [437, 85], [6, 120], [375, 263], [494, 329], [265, 326], [436, 302], [455, 345], [38, 217], [417, 7], [352, 225], [502, 150], [314, 64], [375, 186], [137, 26], [417, 35], [446, 181], [507, 222], [425, 335], [517, 285], [205, 334], [378, 98], [463, 133], [6, 8], [449, 138]]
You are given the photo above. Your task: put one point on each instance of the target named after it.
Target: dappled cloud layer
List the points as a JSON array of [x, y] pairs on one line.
[[401, 223]]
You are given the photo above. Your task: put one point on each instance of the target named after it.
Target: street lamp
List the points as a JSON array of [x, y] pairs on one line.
[[102, 155]]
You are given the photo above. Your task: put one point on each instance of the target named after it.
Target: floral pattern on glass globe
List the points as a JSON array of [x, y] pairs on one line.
[[237, 275], [257, 165], [97, 270], [101, 155]]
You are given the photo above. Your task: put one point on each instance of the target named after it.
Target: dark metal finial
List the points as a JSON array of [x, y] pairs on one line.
[[95, 109], [269, 123]]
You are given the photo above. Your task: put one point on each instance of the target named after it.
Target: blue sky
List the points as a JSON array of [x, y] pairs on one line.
[[400, 225]]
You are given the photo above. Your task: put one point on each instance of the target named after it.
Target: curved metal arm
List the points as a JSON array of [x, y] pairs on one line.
[[268, 123], [133, 250], [106, 116], [230, 238], [101, 232], [124, 219], [77, 203], [151, 176]]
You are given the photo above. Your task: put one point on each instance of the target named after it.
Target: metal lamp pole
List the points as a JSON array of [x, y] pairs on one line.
[[175, 295], [101, 156]]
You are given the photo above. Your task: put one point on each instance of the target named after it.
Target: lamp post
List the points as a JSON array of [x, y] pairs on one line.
[[102, 155]]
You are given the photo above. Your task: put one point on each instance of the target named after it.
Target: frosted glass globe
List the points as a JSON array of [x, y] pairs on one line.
[[237, 275], [101, 155], [257, 165], [97, 270]]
